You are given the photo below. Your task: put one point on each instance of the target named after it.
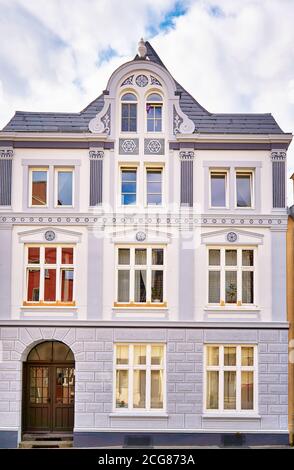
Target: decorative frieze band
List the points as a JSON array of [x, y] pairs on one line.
[[6, 152], [186, 155], [278, 155], [96, 154]]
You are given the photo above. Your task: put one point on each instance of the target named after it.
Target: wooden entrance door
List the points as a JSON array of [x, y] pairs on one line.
[[49, 392]]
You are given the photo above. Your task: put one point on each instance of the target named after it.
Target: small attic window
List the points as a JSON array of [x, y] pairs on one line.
[[129, 113], [154, 112]]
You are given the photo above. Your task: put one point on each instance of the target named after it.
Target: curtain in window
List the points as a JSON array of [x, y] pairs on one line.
[[247, 390], [140, 285], [212, 390], [139, 388], [247, 287], [123, 285], [156, 389], [229, 390], [214, 287]]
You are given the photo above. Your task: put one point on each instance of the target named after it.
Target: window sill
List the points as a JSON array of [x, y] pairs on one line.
[[49, 304], [141, 414], [140, 305], [235, 308], [231, 416]]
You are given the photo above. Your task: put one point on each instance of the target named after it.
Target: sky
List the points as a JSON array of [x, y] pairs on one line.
[[231, 55]]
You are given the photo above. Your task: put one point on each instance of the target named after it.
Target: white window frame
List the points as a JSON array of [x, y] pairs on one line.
[[222, 268], [161, 103], [246, 171], [224, 172], [42, 266], [154, 167], [31, 170], [58, 170], [221, 368], [131, 367], [137, 112], [132, 267]]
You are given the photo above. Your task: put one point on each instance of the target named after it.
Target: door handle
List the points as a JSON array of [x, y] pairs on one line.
[[48, 400]]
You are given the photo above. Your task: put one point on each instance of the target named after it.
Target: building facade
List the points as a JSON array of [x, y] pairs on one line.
[[143, 269]]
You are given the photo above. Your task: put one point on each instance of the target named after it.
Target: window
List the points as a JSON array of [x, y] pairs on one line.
[[231, 378], [129, 113], [244, 189], [128, 186], [154, 113], [139, 377], [231, 276], [39, 186], [154, 186], [218, 189], [140, 275], [50, 274], [64, 187]]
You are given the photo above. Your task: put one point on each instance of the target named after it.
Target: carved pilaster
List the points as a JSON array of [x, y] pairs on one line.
[[186, 155], [278, 155], [6, 153], [96, 154]]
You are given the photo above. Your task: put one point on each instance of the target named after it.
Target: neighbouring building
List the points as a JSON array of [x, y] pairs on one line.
[[290, 307], [143, 269]]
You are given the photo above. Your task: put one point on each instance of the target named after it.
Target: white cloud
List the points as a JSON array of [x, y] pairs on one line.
[[232, 55]]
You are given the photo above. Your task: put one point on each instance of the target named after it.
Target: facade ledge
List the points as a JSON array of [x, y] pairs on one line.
[[144, 414]]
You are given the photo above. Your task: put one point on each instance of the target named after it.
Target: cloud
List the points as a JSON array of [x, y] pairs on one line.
[[232, 55]]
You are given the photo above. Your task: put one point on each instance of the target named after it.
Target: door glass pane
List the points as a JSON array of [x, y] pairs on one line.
[[50, 255], [139, 355], [140, 285], [214, 257], [122, 387], [247, 287], [123, 256], [157, 256], [212, 390], [157, 286], [67, 255], [139, 388], [43, 351], [123, 288], [218, 190], [247, 354], [231, 287], [229, 356], [156, 355], [243, 182], [64, 385], [64, 188], [214, 287], [67, 281], [39, 385], [62, 353], [156, 389], [247, 258], [213, 356], [50, 285], [39, 188], [231, 257], [34, 255], [229, 390], [141, 256], [247, 390], [33, 285], [122, 354]]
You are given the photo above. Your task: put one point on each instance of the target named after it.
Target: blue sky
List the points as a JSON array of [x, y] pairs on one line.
[[232, 55]]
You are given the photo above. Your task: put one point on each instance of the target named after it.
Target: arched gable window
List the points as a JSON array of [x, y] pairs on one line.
[[154, 112], [129, 113]]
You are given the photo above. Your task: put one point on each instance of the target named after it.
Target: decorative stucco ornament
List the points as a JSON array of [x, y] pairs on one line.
[[100, 124], [140, 236], [50, 235], [142, 49], [232, 237]]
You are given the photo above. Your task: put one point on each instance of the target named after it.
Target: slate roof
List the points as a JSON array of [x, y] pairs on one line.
[[205, 122]]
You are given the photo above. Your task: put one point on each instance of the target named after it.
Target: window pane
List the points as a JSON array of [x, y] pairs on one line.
[[247, 356], [212, 390], [156, 389], [33, 285], [133, 111], [247, 287], [247, 258], [157, 286], [132, 125], [128, 187], [218, 190], [229, 390], [229, 356], [141, 256], [129, 97], [157, 127], [67, 256], [122, 379], [128, 199], [122, 354], [157, 355], [150, 125], [50, 285], [34, 255], [50, 255], [157, 256], [214, 287], [154, 199], [243, 190], [123, 286], [64, 188], [154, 176], [140, 285], [154, 97], [67, 280], [213, 356], [129, 175], [39, 188], [214, 257], [139, 388], [231, 257], [247, 391], [123, 256], [231, 287], [139, 355]]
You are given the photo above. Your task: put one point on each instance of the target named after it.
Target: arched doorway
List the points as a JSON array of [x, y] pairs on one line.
[[49, 388]]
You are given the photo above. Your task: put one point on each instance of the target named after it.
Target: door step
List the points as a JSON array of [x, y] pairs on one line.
[[47, 437], [45, 444]]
